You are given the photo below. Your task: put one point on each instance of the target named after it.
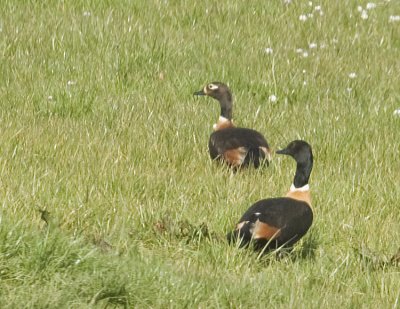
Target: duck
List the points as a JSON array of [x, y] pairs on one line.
[[233, 145], [282, 221]]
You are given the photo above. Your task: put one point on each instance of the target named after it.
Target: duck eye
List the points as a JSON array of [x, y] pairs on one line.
[[212, 87]]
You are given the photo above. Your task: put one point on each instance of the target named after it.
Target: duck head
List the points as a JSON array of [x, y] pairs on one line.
[[220, 92], [301, 152]]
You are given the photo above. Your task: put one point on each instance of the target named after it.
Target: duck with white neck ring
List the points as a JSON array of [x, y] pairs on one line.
[[280, 222], [235, 146]]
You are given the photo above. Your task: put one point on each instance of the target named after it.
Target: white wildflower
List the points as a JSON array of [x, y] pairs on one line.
[[364, 14], [71, 82], [352, 75], [312, 45], [397, 112], [349, 89], [309, 3], [268, 50], [287, 1], [394, 18], [272, 98], [359, 8], [299, 50], [310, 15], [318, 9], [371, 6], [50, 97], [303, 17], [305, 54], [87, 13]]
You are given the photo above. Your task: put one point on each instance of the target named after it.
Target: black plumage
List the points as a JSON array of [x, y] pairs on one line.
[[249, 144], [288, 220], [275, 222], [235, 146]]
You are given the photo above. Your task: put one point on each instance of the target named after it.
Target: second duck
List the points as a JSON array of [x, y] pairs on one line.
[[235, 146]]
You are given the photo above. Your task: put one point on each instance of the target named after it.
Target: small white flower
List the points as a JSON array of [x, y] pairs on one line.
[[272, 98], [349, 89], [287, 1], [299, 50], [317, 8], [312, 45], [303, 17], [310, 15], [359, 8], [50, 97], [305, 54], [394, 18], [71, 82], [268, 50], [397, 112], [364, 14], [309, 3], [352, 75], [304, 71], [77, 261], [305, 83], [87, 13], [371, 6]]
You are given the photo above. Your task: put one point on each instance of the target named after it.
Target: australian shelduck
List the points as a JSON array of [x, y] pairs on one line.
[[282, 221], [235, 146]]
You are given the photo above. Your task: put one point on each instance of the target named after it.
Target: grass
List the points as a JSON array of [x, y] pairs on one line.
[[99, 127]]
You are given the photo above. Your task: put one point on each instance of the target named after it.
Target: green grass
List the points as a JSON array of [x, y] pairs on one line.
[[99, 127]]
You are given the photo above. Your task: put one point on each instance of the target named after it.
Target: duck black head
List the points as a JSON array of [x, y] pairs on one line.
[[220, 92], [300, 151]]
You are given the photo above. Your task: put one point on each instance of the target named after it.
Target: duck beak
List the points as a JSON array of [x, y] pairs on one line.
[[201, 92], [282, 151]]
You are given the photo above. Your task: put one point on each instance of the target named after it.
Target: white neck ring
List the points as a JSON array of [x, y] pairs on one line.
[[301, 189], [221, 120]]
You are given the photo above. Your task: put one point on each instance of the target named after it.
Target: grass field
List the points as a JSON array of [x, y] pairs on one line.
[[99, 127]]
